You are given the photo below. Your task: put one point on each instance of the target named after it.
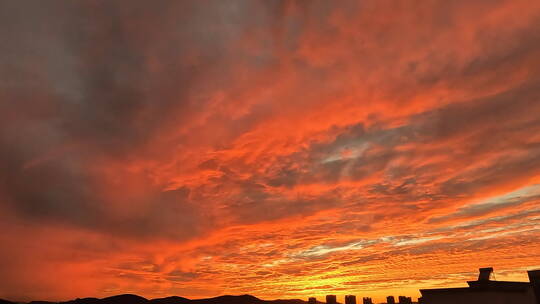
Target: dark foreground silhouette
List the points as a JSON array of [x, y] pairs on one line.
[[135, 299]]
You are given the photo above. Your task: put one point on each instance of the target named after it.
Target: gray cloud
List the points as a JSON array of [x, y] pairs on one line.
[[93, 82]]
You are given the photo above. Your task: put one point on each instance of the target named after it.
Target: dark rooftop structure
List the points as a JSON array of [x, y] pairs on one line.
[[485, 290], [331, 299], [485, 274], [350, 299], [404, 300]]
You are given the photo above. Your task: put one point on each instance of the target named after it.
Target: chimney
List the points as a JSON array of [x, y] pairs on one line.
[[350, 299], [534, 278], [485, 274], [331, 299], [312, 300]]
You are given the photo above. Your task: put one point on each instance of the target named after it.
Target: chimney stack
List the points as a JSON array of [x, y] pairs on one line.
[[485, 274], [350, 299], [331, 299], [534, 278]]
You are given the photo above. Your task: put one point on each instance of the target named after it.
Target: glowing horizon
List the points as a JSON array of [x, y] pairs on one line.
[[282, 149]]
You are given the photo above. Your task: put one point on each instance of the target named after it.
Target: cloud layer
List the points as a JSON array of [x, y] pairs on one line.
[[282, 148]]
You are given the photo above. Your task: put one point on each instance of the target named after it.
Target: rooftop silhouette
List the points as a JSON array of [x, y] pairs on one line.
[[485, 290]]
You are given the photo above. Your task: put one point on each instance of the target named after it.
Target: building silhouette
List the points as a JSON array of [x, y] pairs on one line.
[[534, 279], [312, 300], [350, 299], [367, 300], [485, 290], [390, 300], [331, 299], [405, 300]]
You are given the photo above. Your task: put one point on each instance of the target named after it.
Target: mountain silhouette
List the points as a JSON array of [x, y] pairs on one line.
[[135, 299], [243, 299], [124, 299], [83, 301], [170, 300]]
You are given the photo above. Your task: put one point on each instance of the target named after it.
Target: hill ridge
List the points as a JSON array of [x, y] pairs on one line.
[[136, 299]]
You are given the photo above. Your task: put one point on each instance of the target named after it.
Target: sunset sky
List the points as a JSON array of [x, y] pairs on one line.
[[283, 149]]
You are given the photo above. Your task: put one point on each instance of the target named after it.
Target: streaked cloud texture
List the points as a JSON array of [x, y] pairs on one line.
[[277, 148]]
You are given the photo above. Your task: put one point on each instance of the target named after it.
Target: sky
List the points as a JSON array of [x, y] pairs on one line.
[[283, 149]]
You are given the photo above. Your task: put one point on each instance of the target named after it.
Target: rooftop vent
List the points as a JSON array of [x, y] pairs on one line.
[[485, 274]]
